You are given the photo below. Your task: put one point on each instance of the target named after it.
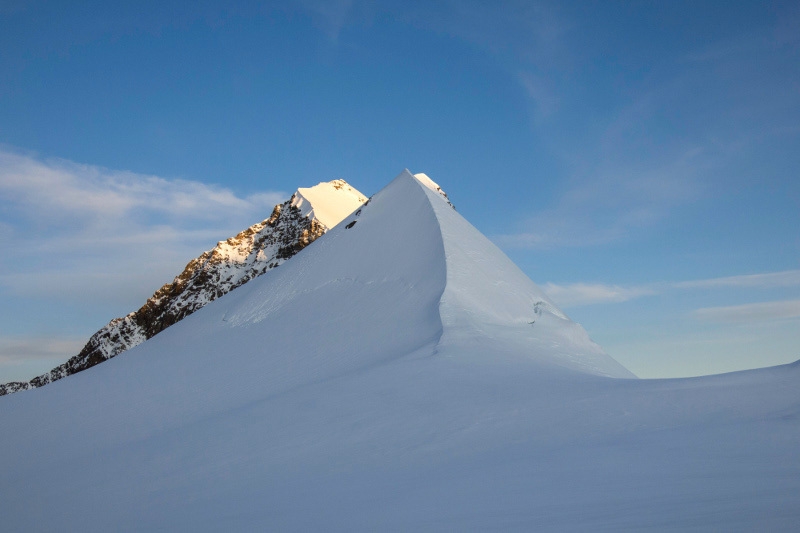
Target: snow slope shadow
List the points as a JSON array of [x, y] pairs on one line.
[[489, 304]]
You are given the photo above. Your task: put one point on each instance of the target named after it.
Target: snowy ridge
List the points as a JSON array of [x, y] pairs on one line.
[[263, 246], [399, 375], [489, 300]]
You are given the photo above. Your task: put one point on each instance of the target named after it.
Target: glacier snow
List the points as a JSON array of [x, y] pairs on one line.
[[399, 374]]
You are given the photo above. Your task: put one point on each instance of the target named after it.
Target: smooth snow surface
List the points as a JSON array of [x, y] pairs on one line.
[[488, 301], [399, 374]]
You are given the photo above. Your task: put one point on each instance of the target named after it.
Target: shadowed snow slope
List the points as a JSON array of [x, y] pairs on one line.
[[491, 306], [400, 374]]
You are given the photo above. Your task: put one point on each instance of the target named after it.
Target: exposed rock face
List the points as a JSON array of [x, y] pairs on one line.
[[231, 263]]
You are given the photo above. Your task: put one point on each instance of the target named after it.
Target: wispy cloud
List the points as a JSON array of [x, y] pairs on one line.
[[328, 15], [540, 92], [531, 36], [22, 358], [754, 312], [612, 204], [669, 137], [55, 188], [19, 350], [580, 294], [67, 227], [787, 278], [531, 31]]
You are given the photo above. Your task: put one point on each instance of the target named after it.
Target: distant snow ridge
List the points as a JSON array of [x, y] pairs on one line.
[[293, 225]]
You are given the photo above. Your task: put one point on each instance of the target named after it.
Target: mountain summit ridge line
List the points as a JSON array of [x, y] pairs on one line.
[[292, 226]]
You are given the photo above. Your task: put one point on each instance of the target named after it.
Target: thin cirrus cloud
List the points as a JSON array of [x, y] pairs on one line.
[[22, 358], [76, 228], [331, 16], [580, 294], [20, 350], [610, 206], [541, 94], [58, 187], [749, 313], [621, 188], [633, 169], [787, 278]]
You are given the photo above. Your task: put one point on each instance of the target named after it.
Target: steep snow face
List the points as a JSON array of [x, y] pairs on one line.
[[263, 246], [366, 293], [490, 303], [328, 202], [387, 378]]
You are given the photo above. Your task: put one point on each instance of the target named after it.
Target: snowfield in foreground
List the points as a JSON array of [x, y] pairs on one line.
[[398, 374]]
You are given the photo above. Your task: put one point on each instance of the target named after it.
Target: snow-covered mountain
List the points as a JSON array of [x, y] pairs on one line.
[[401, 374], [293, 225]]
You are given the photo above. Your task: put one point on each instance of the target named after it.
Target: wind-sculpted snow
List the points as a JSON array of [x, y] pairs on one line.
[[489, 301], [292, 226], [390, 378]]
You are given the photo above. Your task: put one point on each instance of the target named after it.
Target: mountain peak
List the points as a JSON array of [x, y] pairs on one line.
[[400, 374], [328, 202], [292, 226]]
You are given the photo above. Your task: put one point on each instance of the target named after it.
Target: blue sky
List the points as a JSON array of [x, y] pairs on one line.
[[639, 160]]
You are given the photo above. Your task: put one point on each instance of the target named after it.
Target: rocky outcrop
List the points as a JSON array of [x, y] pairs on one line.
[[228, 265]]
